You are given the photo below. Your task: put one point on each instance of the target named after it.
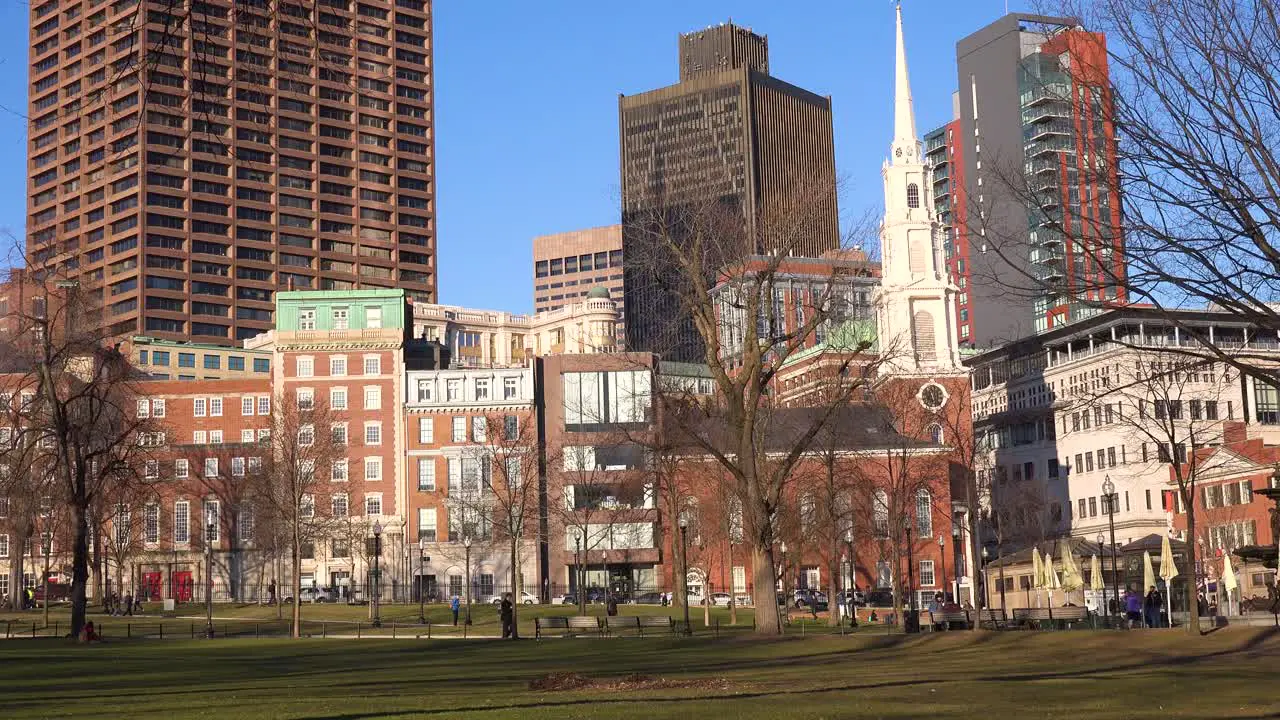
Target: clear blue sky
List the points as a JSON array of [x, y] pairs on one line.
[[527, 108]]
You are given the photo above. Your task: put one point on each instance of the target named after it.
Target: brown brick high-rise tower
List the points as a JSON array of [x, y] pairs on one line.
[[187, 163]]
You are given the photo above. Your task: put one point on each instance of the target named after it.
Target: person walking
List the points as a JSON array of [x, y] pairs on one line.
[[128, 604], [507, 616], [1152, 607], [455, 605], [1133, 608]]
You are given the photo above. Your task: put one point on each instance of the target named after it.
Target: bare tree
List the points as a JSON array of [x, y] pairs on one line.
[[721, 278], [510, 448], [291, 488]]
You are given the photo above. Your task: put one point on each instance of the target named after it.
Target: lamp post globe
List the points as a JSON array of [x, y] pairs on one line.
[[210, 530]]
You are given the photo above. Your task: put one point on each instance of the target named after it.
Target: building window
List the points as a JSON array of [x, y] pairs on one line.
[[453, 390], [181, 522], [926, 573], [924, 513], [338, 472], [215, 407], [261, 365], [426, 430], [264, 405], [338, 365], [373, 398], [913, 195], [306, 367], [482, 388], [341, 318], [307, 319], [373, 433], [510, 428], [340, 506], [427, 524], [426, 474], [306, 398], [479, 429], [338, 433], [373, 505], [199, 407], [338, 398], [459, 429], [373, 469], [246, 406], [151, 525], [373, 365], [426, 390], [510, 388]]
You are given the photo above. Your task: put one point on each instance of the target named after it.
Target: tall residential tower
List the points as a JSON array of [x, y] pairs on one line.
[[186, 164], [1028, 169]]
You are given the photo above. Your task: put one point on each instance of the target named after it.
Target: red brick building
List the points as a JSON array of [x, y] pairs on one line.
[[1228, 515]]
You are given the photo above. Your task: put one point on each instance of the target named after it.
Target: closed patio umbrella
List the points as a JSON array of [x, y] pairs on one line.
[[1098, 584], [1228, 578], [1050, 577], [1037, 574], [1168, 571], [1071, 580]]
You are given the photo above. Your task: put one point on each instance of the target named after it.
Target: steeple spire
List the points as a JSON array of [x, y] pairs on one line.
[[904, 117]]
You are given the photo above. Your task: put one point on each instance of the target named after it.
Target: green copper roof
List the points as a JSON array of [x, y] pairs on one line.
[[849, 336]]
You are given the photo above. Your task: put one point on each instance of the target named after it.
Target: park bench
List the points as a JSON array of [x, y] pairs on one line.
[[949, 618], [1050, 617], [988, 617], [612, 624], [657, 621], [567, 624]]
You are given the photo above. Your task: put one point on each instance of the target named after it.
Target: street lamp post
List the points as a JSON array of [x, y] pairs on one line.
[[607, 590], [421, 580], [1105, 608], [1109, 488], [377, 574], [942, 553], [210, 528], [684, 554]]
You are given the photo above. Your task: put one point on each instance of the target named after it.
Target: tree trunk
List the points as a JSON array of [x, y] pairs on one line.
[[295, 582], [98, 562], [898, 582], [768, 619], [79, 566], [516, 597], [17, 591], [833, 592], [974, 551], [733, 591], [1193, 606]]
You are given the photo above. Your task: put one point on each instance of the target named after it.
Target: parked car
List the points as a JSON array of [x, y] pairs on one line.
[[566, 599], [525, 598], [880, 598], [806, 598], [314, 595], [721, 599], [649, 598], [58, 592]]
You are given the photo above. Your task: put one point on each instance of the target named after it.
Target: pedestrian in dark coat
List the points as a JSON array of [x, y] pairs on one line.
[[508, 616]]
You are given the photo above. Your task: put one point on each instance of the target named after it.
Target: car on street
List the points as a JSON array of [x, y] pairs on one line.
[[314, 595], [721, 599], [649, 598], [880, 598], [804, 598], [525, 598]]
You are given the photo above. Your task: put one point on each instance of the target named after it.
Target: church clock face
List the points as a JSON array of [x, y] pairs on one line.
[[933, 396]]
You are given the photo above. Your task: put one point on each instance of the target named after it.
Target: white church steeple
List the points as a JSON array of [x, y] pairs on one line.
[[904, 115], [917, 328]]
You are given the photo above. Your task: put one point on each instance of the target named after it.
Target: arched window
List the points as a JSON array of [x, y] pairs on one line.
[[935, 433], [881, 507], [922, 336], [924, 513], [913, 195]]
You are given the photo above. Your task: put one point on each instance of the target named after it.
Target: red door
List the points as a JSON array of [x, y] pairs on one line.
[[181, 590], [151, 584]]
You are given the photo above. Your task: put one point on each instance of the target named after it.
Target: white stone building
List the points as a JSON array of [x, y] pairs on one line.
[[1119, 395]]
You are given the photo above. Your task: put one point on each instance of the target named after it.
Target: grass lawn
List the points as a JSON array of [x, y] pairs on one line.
[[1153, 674]]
